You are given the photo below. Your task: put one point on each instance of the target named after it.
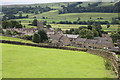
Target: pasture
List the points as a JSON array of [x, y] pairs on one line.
[[54, 16], [34, 62], [69, 26]]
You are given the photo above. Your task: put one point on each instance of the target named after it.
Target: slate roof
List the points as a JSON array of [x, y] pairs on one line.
[[104, 43], [55, 37], [80, 39], [72, 36]]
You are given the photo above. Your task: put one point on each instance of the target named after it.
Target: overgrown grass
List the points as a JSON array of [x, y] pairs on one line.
[[34, 62]]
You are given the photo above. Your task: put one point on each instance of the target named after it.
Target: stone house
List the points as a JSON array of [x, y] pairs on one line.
[[72, 37], [59, 40], [50, 32], [97, 42], [79, 42], [23, 31]]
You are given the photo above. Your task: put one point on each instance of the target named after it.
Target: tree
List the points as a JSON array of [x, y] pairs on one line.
[[48, 26], [43, 35], [15, 33], [67, 32], [15, 24], [90, 27], [115, 36], [1, 31], [34, 23], [96, 34], [108, 25], [78, 19], [27, 16], [8, 32], [71, 30], [6, 24], [85, 33], [20, 15], [36, 38], [58, 29]]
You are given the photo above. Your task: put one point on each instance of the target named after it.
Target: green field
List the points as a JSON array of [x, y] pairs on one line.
[[15, 39], [69, 26], [54, 16], [34, 62]]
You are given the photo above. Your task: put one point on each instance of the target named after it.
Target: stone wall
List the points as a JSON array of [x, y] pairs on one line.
[[115, 61]]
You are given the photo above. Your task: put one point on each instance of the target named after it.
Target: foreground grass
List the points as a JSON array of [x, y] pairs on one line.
[[34, 62]]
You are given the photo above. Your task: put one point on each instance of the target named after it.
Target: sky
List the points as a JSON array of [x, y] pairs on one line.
[[5, 2], [10, 2]]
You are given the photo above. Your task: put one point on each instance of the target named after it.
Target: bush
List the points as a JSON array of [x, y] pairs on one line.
[[36, 38], [8, 32], [15, 33], [43, 35], [1, 31], [85, 33], [27, 37], [48, 26]]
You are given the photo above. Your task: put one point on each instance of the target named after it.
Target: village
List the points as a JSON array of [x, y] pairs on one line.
[[58, 38]]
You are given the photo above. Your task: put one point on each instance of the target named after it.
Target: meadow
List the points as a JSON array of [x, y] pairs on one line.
[[54, 16], [69, 26], [34, 62]]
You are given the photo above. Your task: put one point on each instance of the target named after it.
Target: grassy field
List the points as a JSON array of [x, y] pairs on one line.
[[69, 26], [15, 39], [54, 16], [34, 62]]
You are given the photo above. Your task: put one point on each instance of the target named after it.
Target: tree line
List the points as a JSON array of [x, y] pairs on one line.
[[91, 31], [114, 21], [11, 11], [73, 8]]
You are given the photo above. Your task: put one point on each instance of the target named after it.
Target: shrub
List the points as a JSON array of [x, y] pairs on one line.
[[43, 35], [8, 32], [36, 38], [15, 33], [27, 37]]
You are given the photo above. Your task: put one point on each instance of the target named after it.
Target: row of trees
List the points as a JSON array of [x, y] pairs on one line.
[[114, 21], [11, 24], [11, 11], [73, 8], [12, 16], [24, 9], [89, 32]]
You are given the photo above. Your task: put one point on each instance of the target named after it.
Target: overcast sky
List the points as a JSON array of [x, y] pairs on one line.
[[9, 2], [36, 1]]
